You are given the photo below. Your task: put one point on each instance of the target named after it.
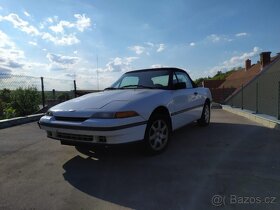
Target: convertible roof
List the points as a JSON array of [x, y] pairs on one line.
[[172, 69], [156, 69]]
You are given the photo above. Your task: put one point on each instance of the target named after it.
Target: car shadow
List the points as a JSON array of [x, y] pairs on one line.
[[199, 163]]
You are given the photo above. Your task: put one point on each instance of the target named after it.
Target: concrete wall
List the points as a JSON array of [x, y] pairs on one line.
[[262, 94]]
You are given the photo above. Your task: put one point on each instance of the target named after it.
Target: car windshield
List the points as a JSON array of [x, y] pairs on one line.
[[154, 79]]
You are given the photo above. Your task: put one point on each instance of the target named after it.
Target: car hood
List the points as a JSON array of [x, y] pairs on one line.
[[96, 101]]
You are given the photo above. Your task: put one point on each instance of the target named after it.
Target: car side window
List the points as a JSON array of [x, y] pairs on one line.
[[161, 81], [182, 77]]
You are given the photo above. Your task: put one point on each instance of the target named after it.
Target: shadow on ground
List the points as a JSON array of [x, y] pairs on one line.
[[200, 162]]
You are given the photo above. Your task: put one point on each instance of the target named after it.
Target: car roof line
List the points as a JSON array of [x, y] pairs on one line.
[[156, 69]]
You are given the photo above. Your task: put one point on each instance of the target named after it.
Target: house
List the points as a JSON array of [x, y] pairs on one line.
[[240, 78], [257, 88]]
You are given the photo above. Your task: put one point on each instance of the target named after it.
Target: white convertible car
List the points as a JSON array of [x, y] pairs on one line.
[[144, 105]]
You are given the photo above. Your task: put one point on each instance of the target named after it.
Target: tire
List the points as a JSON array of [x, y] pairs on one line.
[[157, 134], [205, 116]]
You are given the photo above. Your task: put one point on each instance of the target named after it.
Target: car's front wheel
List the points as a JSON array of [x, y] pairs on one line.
[[157, 134]]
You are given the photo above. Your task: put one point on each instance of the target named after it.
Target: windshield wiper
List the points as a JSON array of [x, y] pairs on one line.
[[136, 86]]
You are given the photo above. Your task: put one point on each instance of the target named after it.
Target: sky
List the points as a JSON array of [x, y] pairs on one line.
[[72, 39]]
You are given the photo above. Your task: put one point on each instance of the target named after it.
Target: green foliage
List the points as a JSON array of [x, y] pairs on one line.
[[2, 104], [219, 76], [9, 112], [63, 96], [25, 101], [5, 95], [60, 95], [21, 102], [200, 80]]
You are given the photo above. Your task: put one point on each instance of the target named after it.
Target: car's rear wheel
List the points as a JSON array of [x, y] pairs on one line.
[[205, 116], [157, 134]]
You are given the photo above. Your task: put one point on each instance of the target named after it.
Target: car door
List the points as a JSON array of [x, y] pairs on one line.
[[186, 103]]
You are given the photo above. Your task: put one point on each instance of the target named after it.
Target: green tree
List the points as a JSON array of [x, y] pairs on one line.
[[25, 101], [64, 96], [1, 109], [9, 112], [5, 95]]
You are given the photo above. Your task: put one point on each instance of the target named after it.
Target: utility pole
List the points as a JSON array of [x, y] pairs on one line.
[[97, 73]]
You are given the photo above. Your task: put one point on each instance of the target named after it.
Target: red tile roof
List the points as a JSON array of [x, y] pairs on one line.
[[241, 77]]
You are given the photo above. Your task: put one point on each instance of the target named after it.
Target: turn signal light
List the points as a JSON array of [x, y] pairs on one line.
[[126, 114]]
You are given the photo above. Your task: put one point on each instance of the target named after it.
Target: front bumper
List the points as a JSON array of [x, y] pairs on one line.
[[94, 131]]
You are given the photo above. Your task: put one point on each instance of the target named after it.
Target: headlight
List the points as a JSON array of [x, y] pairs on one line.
[[49, 113], [113, 115]]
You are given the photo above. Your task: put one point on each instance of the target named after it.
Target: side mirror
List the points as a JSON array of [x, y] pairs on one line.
[[179, 85]]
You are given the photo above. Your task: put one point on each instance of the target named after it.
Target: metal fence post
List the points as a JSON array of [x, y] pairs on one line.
[[257, 98], [43, 92], [75, 89], [223, 95], [242, 97], [279, 100], [53, 94]]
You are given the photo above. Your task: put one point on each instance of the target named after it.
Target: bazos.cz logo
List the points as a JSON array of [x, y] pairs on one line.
[[222, 200]]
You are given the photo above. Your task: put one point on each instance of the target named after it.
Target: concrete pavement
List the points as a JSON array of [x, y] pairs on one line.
[[232, 159]]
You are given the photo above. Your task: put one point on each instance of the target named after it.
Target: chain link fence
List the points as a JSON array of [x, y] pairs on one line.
[[22, 95]]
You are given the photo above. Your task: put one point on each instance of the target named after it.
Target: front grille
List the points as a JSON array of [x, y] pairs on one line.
[[71, 119], [74, 137]]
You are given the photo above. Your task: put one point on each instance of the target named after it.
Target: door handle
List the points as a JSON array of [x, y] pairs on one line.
[[195, 93]]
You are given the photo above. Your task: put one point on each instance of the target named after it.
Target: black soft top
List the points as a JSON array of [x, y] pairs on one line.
[[157, 69]]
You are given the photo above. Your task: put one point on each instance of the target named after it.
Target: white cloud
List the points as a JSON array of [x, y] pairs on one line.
[[26, 13], [137, 49], [5, 40], [33, 43], [75, 52], [83, 22], [60, 38], [47, 21], [61, 62], [10, 57], [63, 40], [150, 44], [241, 34], [4, 71], [157, 66], [235, 61], [192, 44], [214, 38], [51, 20], [62, 59], [148, 48], [161, 47], [119, 64], [20, 24], [59, 28], [14, 64], [217, 38]]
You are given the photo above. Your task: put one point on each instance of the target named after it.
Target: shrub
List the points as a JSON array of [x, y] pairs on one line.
[[9, 113], [25, 101]]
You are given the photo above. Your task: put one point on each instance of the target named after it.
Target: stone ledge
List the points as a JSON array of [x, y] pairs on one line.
[[19, 120], [265, 120]]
